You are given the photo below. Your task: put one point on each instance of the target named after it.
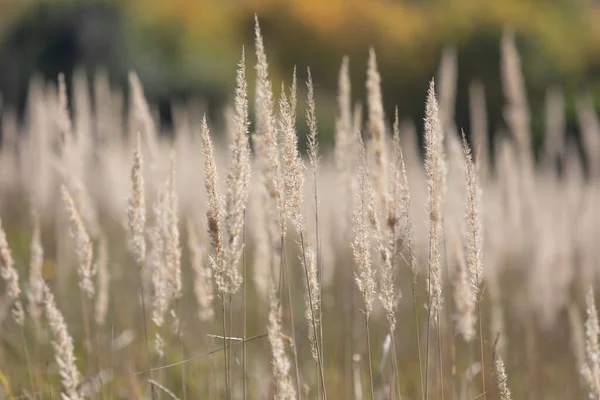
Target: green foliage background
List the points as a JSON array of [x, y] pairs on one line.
[[185, 49]]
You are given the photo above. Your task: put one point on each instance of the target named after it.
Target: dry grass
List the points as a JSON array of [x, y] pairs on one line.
[[498, 257]]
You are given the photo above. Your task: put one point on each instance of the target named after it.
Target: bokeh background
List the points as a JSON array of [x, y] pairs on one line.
[[187, 49]]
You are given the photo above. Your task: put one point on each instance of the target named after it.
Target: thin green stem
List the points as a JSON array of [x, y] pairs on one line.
[[28, 361], [370, 358], [395, 365], [244, 349], [481, 347], [440, 356], [225, 347], [416, 315]]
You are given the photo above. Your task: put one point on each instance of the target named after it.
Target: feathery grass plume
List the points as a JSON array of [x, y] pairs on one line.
[[591, 367], [479, 130], [83, 245], [435, 173], [214, 213], [280, 360], [517, 110], [203, 289], [82, 107], [554, 139], [238, 177], [63, 117], [103, 298], [464, 298], [388, 295], [377, 123], [157, 258], [345, 147], [263, 255], [389, 234], [11, 278], [364, 274], [344, 138], [447, 88], [63, 348], [141, 117], [313, 298], [136, 211], [265, 138], [501, 377], [293, 177], [405, 201], [474, 234], [173, 249], [83, 201], [294, 95], [35, 294], [311, 121], [361, 249]]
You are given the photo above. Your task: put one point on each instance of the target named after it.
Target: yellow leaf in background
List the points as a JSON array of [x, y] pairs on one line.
[[5, 385], [49, 270]]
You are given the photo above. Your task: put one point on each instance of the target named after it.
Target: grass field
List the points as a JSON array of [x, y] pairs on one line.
[[197, 265]]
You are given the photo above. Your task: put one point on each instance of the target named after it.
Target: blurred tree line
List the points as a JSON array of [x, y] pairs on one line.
[[184, 49]]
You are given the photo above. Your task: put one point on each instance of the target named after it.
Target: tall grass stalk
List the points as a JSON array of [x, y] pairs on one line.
[[313, 317], [244, 312], [285, 273], [371, 382]]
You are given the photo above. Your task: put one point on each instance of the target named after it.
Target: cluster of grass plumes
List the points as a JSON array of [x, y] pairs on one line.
[[447, 276]]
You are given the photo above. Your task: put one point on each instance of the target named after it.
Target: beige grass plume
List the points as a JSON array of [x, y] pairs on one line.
[[173, 248], [63, 117], [136, 211], [238, 178], [203, 289], [214, 213], [10, 277], [280, 360], [435, 172], [517, 109], [141, 117], [157, 262], [62, 343], [312, 297], [103, 282], [474, 234], [344, 138], [405, 202], [376, 122], [35, 295], [591, 367], [293, 177], [83, 245], [501, 378], [265, 139], [311, 121], [361, 248], [464, 299]]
